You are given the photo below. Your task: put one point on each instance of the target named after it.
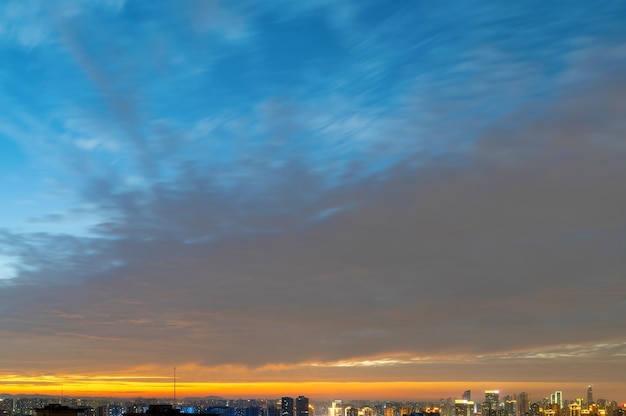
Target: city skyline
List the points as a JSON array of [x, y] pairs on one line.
[[286, 404], [365, 198]]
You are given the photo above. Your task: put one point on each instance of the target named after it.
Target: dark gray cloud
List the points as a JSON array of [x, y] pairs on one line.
[[514, 255]]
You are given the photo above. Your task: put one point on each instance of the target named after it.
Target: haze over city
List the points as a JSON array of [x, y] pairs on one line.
[[335, 198]]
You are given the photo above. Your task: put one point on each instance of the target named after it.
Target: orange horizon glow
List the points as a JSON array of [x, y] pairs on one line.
[[317, 390]]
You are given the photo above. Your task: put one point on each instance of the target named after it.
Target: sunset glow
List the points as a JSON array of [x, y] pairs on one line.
[[102, 386]]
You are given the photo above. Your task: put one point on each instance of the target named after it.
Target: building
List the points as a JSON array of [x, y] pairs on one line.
[[286, 406], [153, 409], [467, 395], [523, 403], [55, 409], [491, 403], [574, 409], [589, 395], [432, 411], [463, 407], [510, 407], [336, 408], [6, 407], [366, 411], [302, 406], [557, 398]]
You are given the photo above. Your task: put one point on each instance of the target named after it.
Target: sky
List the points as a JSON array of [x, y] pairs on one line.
[[340, 199]]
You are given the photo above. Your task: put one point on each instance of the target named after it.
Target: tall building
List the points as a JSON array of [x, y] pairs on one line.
[[510, 407], [467, 395], [523, 403], [302, 406], [557, 398], [463, 407], [286, 406], [589, 395], [336, 408], [490, 405], [6, 407]]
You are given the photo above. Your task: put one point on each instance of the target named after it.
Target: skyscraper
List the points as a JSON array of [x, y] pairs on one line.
[[589, 395], [336, 408], [490, 405], [302, 406], [467, 395], [557, 398], [524, 403], [286, 406], [463, 407], [510, 407]]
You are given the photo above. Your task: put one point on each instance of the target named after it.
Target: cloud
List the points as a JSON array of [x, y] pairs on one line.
[[215, 17], [445, 259], [33, 23], [459, 223]]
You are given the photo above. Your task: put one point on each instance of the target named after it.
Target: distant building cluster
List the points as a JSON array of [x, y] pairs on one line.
[[491, 404]]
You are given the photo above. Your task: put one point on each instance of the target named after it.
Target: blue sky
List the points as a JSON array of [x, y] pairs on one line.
[[255, 148]]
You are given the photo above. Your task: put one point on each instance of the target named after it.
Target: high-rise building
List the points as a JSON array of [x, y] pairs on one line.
[[286, 406], [589, 395], [6, 407], [557, 398], [467, 395], [463, 407], [535, 409], [490, 405], [302, 406], [336, 408], [523, 403], [510, 407]]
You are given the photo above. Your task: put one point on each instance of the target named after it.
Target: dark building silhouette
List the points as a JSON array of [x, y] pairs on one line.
[[302, 406], [55, 409], [286, 406]]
